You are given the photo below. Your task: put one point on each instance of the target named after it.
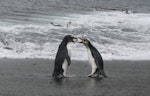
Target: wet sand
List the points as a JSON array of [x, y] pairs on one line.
[[32, 77]]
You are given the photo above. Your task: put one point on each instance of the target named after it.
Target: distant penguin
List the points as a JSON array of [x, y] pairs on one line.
[[95, 58], [56, 24], [68, 24], [62, 60]]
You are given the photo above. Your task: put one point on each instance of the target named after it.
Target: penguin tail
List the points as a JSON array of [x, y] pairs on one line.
[[103, 73], [105, 76]]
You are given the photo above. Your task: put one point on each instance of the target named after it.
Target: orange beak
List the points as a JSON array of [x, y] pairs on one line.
[[80, 40]]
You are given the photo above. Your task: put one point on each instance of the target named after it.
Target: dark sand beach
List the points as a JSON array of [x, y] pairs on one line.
[[32, 77]]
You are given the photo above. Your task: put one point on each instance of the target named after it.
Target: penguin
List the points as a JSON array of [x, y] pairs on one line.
[[95, 58], [56, 24], [62, 59], [68, 24]]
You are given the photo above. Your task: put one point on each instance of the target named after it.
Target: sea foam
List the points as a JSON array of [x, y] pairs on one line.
[[115, 34]]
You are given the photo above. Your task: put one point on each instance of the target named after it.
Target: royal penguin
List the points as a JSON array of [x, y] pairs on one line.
[[95, 58], [56, 24], [62, 59], [68, 24]]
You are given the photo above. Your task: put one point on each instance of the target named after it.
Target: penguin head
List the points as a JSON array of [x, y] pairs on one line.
[[70, 38], [84, 41]]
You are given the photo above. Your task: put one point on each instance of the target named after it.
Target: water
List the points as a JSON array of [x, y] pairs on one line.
[[26, 32]]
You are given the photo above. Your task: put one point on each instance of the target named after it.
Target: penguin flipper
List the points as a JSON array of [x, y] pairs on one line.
[[68, 60]]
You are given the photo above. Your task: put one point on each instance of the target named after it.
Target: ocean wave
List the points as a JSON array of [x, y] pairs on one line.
[[115, 34]]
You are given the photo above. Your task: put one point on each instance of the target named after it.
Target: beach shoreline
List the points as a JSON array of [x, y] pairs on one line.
[[32, 77]]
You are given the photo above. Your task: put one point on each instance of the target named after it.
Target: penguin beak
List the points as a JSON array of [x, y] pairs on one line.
[[80, 40], [74, 39]]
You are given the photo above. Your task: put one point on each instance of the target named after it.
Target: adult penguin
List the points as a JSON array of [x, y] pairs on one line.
[[95, 58], [62, 60]]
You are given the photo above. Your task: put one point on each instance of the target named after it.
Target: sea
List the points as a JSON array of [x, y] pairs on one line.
[[26, 30]]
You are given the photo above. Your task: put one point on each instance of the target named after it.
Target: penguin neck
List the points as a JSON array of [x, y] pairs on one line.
[[89, 45], [64, 43]]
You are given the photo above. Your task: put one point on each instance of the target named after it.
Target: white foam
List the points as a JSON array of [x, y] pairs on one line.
[[108, 32]]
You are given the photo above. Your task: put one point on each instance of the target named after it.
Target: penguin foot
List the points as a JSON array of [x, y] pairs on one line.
[[59, 76], [90, 75], [105, 76]]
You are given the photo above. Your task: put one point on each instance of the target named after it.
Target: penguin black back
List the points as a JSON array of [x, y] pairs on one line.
[[97, 56]]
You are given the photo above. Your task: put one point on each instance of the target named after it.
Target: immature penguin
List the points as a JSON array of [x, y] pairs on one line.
[[95, 58], [62, 60]]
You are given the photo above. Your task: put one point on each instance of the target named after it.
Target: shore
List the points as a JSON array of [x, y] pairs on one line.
[[32, 77]]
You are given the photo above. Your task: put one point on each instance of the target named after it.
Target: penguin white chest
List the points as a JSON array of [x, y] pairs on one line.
[[69, 50], [65, 66], [91, 59]]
